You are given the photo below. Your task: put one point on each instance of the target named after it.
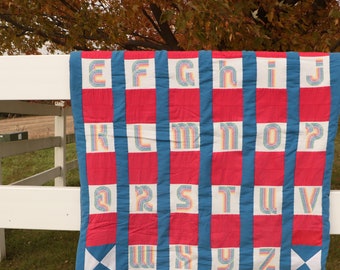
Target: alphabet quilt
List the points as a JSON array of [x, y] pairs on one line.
[[204, 159]]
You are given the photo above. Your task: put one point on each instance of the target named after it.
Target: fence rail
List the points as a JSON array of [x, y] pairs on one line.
[[43, 208], [60, 204], [20, 147]]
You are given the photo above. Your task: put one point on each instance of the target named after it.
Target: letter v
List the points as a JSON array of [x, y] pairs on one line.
[[309, 200]]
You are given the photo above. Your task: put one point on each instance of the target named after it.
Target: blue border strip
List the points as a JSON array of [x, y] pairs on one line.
[[293, 97], [249, 137], [332, 131], [77, 110], [206, 148], [163, 152], [118, 86]]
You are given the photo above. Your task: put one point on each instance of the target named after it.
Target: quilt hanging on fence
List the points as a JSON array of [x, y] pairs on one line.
[[204, 160]]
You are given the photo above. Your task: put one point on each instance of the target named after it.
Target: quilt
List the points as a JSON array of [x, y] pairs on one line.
[[204, 159]]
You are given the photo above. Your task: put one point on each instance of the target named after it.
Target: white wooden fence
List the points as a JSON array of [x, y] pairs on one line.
[[23, 205]]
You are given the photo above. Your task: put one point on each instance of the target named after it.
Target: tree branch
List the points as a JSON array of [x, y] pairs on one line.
[[58, 40], [165, 31], [335, 46], [68, 5], [152, 21]]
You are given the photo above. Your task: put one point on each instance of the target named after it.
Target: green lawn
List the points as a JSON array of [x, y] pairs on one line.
[[51, 250]]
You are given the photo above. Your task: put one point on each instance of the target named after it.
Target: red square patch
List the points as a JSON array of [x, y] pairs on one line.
[[143, 168], [310, 167], [140, 106], [307, 230], [269, 168], [315, 104], [226, 168], [102, 229], [182, 54], [101, 168], [267, 231], [183, 229], [143, 229], [271, 105], [227, 105], [184, 105], [184, 167], [97, 105], [96, 54], [225, 231]]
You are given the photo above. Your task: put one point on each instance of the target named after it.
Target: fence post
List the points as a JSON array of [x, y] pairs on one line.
[[60, 152], [2, 231]]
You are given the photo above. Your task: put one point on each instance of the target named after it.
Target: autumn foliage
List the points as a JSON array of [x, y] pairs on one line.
[[65, 25]]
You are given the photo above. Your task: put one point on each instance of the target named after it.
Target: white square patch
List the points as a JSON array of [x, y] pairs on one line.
[[183, 257], [271, 137], [271, 72], [184, 198], [141, 138], [183, 73], [266, 258], [225, 258], [96, 73], [227, 73], [308, 200], [143, 198], [267, 200], [225, 199], [314, 71], [103, 199], [99, 137], [140, 74], [227, 136], [185, 136], [313, 136]]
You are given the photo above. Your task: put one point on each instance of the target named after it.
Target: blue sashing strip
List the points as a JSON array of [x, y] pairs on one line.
[[77, 105], [293, 95], [206, 148], [249, 137], [163, 154], [332, 130], [118, 86]]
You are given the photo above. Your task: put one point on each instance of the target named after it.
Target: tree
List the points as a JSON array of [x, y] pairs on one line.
[[65, 25]]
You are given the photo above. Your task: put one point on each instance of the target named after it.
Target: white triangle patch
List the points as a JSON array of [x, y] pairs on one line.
[[296, 260], [90, 261], [110, 259], [314, 263]]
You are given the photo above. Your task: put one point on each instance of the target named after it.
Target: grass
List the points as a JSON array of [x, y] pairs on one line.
[[53, 250], [38, 250]]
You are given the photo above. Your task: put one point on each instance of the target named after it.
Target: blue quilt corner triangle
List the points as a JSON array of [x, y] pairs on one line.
[[306, 257], [306, 252]]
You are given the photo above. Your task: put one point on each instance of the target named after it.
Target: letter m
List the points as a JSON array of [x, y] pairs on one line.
[[185, 135]]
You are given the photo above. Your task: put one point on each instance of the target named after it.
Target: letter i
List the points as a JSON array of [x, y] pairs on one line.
[[271, 73]]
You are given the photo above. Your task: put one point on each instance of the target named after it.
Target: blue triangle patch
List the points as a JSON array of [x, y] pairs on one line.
[[101, 267], [100, 252], [306, 252], [303, 267]]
